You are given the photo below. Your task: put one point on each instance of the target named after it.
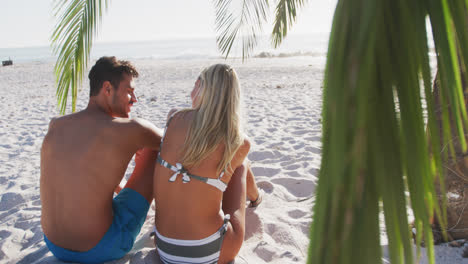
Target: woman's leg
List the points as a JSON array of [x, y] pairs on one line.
[[234, 204], [253, 194]]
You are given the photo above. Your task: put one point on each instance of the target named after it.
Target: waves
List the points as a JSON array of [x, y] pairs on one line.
[[179, 49], [266, 54]]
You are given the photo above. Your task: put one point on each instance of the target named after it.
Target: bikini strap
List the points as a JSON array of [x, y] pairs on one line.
[[221, 174], [179, 169], [224, 227]]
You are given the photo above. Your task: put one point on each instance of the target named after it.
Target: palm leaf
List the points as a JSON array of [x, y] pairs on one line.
[[243, 21], [285, 16], [72, 40], [375, 145]]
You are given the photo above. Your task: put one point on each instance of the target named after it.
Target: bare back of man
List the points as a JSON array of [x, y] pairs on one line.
[[84, 157]]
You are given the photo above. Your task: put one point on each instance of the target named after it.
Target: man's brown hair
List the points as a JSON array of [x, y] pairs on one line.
[[109, 69]]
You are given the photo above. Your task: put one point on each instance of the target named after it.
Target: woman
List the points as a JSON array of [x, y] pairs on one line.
[[201, 174]]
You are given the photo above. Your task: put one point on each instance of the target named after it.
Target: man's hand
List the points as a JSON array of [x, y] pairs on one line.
[[118, 189]]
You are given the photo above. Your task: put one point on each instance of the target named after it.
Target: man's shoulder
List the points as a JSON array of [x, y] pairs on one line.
[[60, 120], [137, 131], [56, 127], [135, 124], [57, 122]]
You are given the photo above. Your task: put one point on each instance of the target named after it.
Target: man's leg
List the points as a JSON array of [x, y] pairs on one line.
[[141, 179]]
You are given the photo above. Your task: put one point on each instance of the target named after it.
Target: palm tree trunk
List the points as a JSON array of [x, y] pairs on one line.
[[455, 165]]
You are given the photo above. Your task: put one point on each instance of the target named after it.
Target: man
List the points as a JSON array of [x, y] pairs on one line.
[[84, 156]]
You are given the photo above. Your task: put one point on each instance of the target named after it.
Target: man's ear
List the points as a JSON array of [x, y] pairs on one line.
[[107, 87]]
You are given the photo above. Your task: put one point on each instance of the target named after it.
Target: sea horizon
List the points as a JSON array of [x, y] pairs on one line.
[[314, 44]]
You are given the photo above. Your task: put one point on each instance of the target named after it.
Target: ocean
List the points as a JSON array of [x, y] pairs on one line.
[[179, 49]]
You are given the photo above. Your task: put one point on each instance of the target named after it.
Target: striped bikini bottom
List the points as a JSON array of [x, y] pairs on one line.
[[204, 250]]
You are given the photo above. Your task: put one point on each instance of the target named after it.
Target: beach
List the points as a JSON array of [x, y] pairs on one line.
[[282, 100]]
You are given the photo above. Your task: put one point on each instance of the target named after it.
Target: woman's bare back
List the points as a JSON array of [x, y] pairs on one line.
[[190, 210]]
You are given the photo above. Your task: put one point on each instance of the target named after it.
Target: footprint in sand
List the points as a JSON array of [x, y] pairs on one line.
[[305, 227], [259, 141], [253, 224], [314, 171], [298, 146], [300, 132], [296, 213], [296, 108], [10, 200], [5, 146], [280, 234], [294, 119], [4, 234], [261, 155], [27, 224], [290, 255], [36, 236], [294, 174], [270, 229], [312, 139], [266, 186], [257, 121], [313, 150], [293, 167], [26, 186], [9, 213], [297, 187], [268, 172], [10, 185], [265, 251]]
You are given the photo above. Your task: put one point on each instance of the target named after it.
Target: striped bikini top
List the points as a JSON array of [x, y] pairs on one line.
[[178, 169]]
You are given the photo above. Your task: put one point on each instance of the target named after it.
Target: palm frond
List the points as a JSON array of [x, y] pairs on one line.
[[72, 39], [375, 145], [285, 16], [243, 21]]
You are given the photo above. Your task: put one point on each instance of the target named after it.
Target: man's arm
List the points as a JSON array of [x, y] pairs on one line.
[[146, 135]]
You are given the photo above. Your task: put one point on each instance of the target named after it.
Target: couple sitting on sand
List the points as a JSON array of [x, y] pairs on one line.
[[197, 173]]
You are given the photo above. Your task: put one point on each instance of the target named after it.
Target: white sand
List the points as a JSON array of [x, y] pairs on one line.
[[283, 101]]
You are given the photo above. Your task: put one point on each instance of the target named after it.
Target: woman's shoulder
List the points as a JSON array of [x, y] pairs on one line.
[[245, 144], [173, 113], [243, 150], [183, 116]]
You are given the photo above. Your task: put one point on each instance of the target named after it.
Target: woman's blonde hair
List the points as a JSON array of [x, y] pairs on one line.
[[216, 118]]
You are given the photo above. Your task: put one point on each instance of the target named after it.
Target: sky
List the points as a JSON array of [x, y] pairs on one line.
[[25, 23]]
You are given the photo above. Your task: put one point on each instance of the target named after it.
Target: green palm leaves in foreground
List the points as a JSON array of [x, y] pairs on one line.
[[375, 144], [72, 40]]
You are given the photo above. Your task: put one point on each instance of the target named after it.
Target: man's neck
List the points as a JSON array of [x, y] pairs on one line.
[[97, 107]]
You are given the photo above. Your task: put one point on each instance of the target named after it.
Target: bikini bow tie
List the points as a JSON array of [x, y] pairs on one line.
[[179, 169]]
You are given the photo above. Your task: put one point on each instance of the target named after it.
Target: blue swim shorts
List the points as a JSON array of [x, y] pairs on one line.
[[130, 210]]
